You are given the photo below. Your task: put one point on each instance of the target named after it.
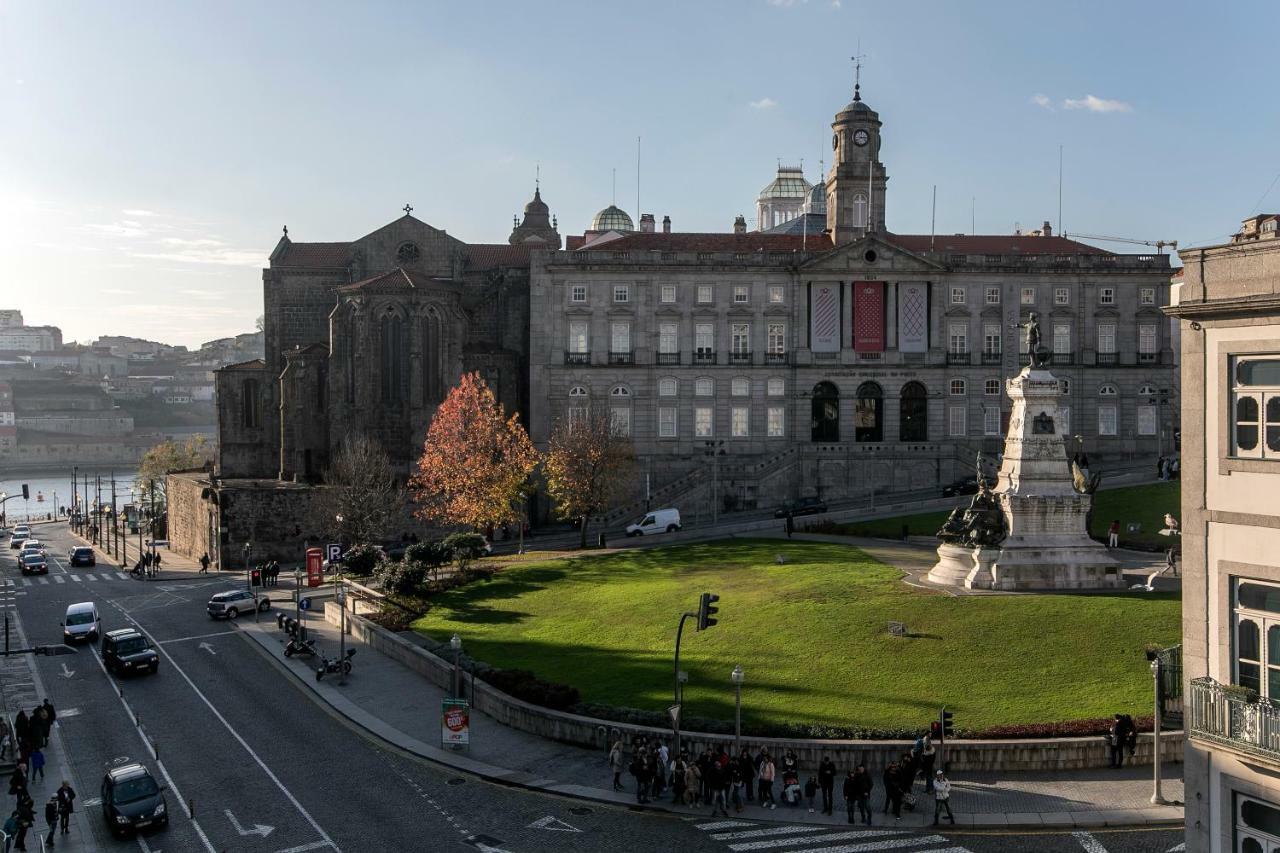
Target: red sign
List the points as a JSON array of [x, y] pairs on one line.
[[455, 722], [315, 567], [868, 316]]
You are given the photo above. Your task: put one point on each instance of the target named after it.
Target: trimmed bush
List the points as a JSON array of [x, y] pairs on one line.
[[465, 547], [362, 560], [407, 577], [523, 684]]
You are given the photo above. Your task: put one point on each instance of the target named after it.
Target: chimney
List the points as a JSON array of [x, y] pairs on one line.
[[1046, 230], [666, 225], [646, 223], [740, 224]]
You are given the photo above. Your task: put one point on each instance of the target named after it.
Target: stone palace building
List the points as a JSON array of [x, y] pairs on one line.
[[821, 355]]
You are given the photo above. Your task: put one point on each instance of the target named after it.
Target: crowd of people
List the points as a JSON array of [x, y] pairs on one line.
[[26, 740], [720, 780], [148, 565]]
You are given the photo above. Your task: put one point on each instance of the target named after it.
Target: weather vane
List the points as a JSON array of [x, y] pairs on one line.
[[857, 71]]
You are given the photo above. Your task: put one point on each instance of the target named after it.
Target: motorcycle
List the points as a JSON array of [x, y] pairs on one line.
[[306, 648], [342, 665]]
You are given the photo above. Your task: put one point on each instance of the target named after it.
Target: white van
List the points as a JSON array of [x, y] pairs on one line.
[[81, 623], [658, 521]]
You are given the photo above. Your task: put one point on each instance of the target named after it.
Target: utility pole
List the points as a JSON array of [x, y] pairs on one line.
[[115, 531]]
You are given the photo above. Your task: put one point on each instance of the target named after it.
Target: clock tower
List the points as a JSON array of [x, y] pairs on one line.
[[857, 179]]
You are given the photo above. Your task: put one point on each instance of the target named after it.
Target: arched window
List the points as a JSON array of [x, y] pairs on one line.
[[868, 413], [740, 387], [578, 405], [620, 391], [668, 386], [826, 413], [578, 391], [391, 340], [704, 386], [620, 410], [777, 386], [958, 387], [860, 210], [1108, 390], [1147, 391], [432, 359], [251, 403], [913, 413]]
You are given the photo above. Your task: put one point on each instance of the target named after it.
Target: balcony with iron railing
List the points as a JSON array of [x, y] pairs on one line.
[[577, 358], [1061, 358], [1148, 358], [740, 357], [622, 357], [957, 357], [1233, 717], [992, 356], [1108, 358], [704, 357], [775, 358], [668, 358]]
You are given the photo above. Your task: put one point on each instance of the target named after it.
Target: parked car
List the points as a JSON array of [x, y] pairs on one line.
[[963, 486], [658, 521], [229, 605], [131, 799], [81, 623], [35, 564], [127, 650], [81, 555], [801, 506]]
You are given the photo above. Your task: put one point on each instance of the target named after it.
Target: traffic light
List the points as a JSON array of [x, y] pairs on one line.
[[945, 718], [707, 610], [935, 730], [255, 577], [26, 492]]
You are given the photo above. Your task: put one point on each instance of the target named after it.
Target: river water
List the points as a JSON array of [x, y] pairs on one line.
[[55, 485]]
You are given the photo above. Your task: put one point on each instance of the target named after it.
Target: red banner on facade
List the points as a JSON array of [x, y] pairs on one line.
[[868, 316]]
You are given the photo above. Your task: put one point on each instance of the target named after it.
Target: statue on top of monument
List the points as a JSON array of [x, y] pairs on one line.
[[1035, 349], [981, 523]]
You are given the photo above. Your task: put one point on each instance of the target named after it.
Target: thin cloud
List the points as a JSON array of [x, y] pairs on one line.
[[201, 241], [137, 211], [1042, 100], [763, 104], [198, 255], [1096, 105], [118, 291], [117, 229]]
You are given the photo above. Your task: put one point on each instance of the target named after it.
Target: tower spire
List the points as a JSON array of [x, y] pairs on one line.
[[857, 72]]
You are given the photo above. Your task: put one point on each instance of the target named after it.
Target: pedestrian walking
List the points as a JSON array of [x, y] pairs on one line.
[[1162, 472], [26, 819], [862, 785], [827, 781], [40, 726], [928, 755], [21, 726], [615, 764], [51, 713], [37, 765], [893, 789], [692, 782], [6, 736], [942, 797], [850, 792], [51, 818], [717, 783], [790, 525], [767, 774], [10, 830], [18, 781], [66, 805], [1113, 534], [204, 563], [736, 784], [662, 767], [748, 768], [811, 791], [677, 780], [1123, 735], [155, 561]]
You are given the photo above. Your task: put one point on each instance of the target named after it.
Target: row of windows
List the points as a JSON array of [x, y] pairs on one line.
[[992, 338], [775, 386], [1061, 295], [667, 293], [704, 337]]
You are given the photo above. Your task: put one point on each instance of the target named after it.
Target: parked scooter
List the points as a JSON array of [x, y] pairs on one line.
[[306, 648], [335, 665]]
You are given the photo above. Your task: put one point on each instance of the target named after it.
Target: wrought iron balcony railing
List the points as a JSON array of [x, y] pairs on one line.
[[1234, 717]]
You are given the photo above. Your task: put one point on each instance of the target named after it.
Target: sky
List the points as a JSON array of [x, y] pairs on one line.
[[150, 152]]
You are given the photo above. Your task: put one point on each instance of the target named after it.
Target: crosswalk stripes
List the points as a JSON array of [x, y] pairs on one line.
[[850, 835], [76, 578], [747, 837], [59, 579], [122, 576], [43, 581]]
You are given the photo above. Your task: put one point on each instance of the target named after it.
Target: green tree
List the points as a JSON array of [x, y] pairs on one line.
[[588, 464], [166, 457]]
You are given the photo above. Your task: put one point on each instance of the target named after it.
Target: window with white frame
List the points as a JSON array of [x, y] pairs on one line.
[[1064, 419], [991, 387], [1028, 296], [777, 386], [1147, 339], [991, 421], [668, 294], [620, 392], [741, 294], [1147, 295], [1146, 418], [702, 422], [704, 338], [1108, 390], [992, 295], [991, 339], [668, 338], [578, 405], [1062, 296], [1106, 338], [622, 293], [578, 341], [620, 337], [578, 293], [739, 422], [620, 417], [957, 296], [668, 386], [777, 422], [705, 294], [1256, 650], [740, 338], [578, 391], [958, 387], [1106, 296], [1062, 338], [1107, 420], [777, 294], [666, 422], [1255, 406], [740, 386], [776, 339], [957, 420], [704, 386], [958, 338]]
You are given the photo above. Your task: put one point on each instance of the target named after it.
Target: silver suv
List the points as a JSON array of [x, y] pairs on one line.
[[229, 605]]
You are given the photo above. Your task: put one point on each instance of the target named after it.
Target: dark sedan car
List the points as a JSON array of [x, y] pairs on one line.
[[963, 486], [34, 564], [81, 555], [131, 799], [126, 651], [802, 506]]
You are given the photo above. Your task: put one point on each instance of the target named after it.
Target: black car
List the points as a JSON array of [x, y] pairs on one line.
[[81, 555], [131, 799], [963, 486], [127, 650], [35, 564], [802, 506]]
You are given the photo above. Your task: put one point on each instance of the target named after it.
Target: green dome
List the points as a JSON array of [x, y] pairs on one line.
[[612, 218]]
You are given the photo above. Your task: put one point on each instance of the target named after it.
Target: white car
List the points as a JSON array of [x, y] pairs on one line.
[[658, 521], [32, 546], [81, 623]]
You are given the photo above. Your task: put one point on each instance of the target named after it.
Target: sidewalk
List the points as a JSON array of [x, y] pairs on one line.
[[401, 707]]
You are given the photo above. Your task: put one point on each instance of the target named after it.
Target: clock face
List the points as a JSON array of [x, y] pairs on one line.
[[860, 137], [835, 141]]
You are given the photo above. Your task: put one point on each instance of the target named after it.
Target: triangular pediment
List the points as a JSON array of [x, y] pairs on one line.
[[410, 243], [873, 255]]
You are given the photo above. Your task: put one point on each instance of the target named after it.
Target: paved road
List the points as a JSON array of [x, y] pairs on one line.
[[260, 767]]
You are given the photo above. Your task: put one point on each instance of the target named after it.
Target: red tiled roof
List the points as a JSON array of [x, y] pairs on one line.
[[752, 241], [993, 244], [315, 255], [483, 256]]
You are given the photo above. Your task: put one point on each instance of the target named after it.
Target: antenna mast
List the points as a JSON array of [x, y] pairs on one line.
[[637, 181]]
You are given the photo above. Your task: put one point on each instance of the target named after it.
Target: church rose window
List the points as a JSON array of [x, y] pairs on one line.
[[407, 253]]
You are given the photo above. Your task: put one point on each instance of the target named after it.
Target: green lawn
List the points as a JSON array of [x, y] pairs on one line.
[[811, 636]]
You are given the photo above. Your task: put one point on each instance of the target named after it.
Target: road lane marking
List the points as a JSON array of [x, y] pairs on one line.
[[314, 845], [26, 581], [851, 835], [122, 576], [886, 844], [1088, 842], [722, 824], [89, 576], [198, 637], [59, 579], [227, 725], [760, 833], [43, 581], [77, 578]]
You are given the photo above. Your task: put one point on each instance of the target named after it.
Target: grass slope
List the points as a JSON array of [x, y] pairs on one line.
[[811, 636]]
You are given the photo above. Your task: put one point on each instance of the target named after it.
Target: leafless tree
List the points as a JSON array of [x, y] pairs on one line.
[[362, 487]]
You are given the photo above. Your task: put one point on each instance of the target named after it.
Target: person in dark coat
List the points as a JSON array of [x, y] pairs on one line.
[[66, 805], [26, 819], [39, 726], [827, 782], [1123, 734], [893, 789], [18, 781], [51, 818], [204, 563], [21, 727], [50, 713], [748, 774], [640, 770], [862, 785]]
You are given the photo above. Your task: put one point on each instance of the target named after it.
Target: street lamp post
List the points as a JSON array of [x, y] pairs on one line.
[[455, 643], [737, 676], [342, 618], [1157, 798]]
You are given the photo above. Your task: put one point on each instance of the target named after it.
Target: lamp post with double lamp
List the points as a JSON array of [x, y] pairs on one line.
[[342, 611], [737, 676], [455, 643]]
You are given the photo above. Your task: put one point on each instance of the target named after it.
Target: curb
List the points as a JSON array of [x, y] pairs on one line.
[[330, 696]]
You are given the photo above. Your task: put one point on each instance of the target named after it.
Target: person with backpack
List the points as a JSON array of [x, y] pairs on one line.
[[66, 805], [942, 798], [51, 818], [827, 782]]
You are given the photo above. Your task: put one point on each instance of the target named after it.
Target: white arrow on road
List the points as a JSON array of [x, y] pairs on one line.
[[258, 829], [554, 824], [1177, 848], [485, 848], [208, 648], [1089, 843], [67, 673]]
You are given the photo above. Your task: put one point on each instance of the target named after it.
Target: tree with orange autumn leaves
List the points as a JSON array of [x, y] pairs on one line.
[[476, 461], [588, 464]]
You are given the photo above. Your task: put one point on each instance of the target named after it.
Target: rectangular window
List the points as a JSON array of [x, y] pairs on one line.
[[621, 293], [993, 295], [991, 387], [777, 422], [740, 338], [668, 294], [957, 296], [740, 422], [619, 337], [1147, 340], [704, 294], [958, 339], [578, 336], [777, 295], [1062, 296], [777, 338], [957, 420], [1064, 420], [668, 338], [1147, 296], [991, 421], [1028, 296], [1106, 338], [704, 338], [1106, 420], [1061, 338], [621, 416], [667, 422], [578, 293], [991, 339], [1146, 420], [1107, 296], [741, 294], [1255, 407], [702, 422]]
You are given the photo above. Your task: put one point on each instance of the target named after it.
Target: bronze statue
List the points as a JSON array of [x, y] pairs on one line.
[[1038, 353], [982, 523]]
